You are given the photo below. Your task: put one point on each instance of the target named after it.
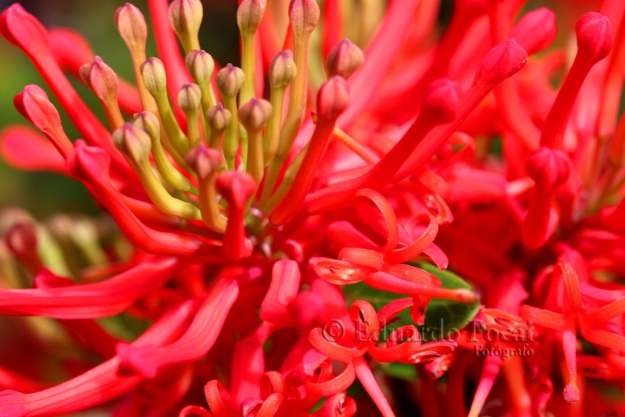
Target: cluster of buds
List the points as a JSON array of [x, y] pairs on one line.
[[281, 243]]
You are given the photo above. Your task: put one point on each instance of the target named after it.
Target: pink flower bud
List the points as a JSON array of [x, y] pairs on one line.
[[594, 37], [132, 27], [254, 114], [548, 168], [185, 17], [154, 77], [132, 142], [229, 80], [344, 59], [101, 79], [535, 30], [501, 62], [189, 98], [333, 98], [304, 16], [201, 66], [283, 70], [249, 15], [218, 118], [204, 161]]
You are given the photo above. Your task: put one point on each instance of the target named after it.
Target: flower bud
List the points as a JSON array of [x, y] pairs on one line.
[[154, 78], [249, 15], [229, 80], [132, 27], [236, 187], [283, 70], [255, 114], [501, 62], [304, 16], [149, 123], [332, 99], [134, 143], [535, 30], [344, 59], [204, 161], [594, 37], [218, 118], [101, 79], [201, 66], [441, 101], [185, 17], [189, 98], [548, 167]]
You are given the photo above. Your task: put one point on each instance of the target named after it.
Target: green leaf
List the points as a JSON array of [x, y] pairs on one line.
[[398, 370], [442, 318]]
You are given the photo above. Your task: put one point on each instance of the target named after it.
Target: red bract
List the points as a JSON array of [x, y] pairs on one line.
[[283, 227]]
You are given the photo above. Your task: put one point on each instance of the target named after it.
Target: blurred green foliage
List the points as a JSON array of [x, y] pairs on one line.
[[44, 193]]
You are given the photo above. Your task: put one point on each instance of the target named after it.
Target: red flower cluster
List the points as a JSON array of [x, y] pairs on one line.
[[278, 250]]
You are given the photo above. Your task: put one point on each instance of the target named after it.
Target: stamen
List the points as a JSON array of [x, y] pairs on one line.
[[201, 66], [344, 59], [103, 82], [189, 100], [218, 119], [569, 345], [229, 81], [155, 81], [254, 115], [135, 144], [304, 16], [332, 100], [205, 163], [134, 31], [549, 169], [281, 74], [236, 188], [249, 15], [148, 122], [92, 165], [440, 105], [33, 104], [594, 41], [492, 366], [185, 18]]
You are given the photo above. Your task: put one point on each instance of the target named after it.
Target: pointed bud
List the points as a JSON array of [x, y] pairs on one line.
[[101, 79], [441, 101], [501, 62], [535, 30], [204, 161], [33, 104], [149, 123], [283, 70], [132, 27], [236, 187], [185, 18], [134, 143], [229, 80], [249, 15], [189, 98], [344, 59], [23, 29], [218, 118], [201, 66], [154, 77], [255, 114], [548, 168], [594, 37], [304, 16], [332, 99]]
